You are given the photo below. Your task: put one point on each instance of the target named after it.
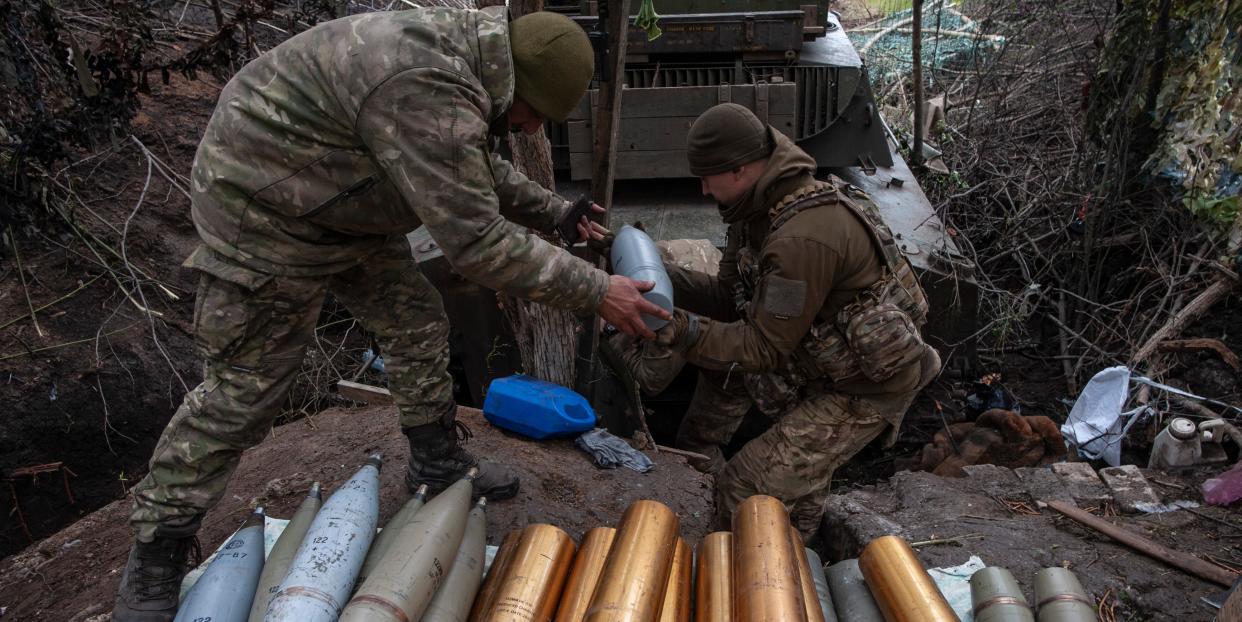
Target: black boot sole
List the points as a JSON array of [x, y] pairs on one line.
[[495, 493]]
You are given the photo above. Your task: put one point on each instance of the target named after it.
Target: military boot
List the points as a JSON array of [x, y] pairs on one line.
[[437, 459], [151, 582]]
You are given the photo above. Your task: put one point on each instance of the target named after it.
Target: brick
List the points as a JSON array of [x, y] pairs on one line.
[[1130, 489], [1083, 483], [1043, 485]]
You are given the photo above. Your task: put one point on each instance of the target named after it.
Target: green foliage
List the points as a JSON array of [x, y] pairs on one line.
[[1219, 211], [1166, 102]]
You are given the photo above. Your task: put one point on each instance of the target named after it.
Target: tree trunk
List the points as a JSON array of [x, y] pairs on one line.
[[546, 337]]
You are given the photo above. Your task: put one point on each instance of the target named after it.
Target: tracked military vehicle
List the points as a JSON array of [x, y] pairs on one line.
[[790, 63]]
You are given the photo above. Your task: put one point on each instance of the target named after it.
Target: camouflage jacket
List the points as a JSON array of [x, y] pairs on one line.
[[783, 281], [363, 128]]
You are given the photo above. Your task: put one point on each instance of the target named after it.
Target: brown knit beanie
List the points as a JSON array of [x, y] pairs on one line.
[[725, 137]]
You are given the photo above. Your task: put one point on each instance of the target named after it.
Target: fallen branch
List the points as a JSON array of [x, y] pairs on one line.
[[63, 345], [954, 540], [365, 393], [1193, 345], [21, 273], [694, 455], [1177, 559], [1220, 287]]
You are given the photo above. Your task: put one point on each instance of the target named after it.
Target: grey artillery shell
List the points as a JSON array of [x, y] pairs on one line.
[[325, 567], [636, 256], [996, 597], [821, 585], [402, 585], [1059, 597], [226, 589], [282, 552], [388, 534], [850, 594], [452, 601]]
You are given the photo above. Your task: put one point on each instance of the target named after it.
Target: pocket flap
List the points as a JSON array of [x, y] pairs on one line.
[[207, 261]]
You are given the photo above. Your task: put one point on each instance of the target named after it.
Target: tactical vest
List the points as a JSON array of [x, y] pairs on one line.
[[877, 334]]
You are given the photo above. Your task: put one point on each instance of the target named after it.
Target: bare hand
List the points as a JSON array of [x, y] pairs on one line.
[[589, 229], [624, 306]]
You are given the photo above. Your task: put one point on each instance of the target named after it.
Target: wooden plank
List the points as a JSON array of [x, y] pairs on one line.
[[639, 164], [365, 393], [654, 133], [691, 101], [1177, 559]]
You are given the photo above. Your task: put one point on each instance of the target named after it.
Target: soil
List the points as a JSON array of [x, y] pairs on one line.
[[73, 574], [99, 397]]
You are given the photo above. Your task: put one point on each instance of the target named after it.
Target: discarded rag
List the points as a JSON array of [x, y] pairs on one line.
[[610, 452]]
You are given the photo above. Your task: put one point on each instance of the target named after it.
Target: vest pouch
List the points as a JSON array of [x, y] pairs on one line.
[[826, 350], [884, 340]]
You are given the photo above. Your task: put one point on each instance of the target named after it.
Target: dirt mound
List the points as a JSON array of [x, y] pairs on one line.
[[73, 575]]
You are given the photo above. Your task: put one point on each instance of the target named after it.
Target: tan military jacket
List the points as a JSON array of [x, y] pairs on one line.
[[808, 270], [363, 128]]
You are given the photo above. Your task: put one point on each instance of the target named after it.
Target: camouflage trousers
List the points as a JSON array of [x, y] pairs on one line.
[[795, 458], [253, 329]]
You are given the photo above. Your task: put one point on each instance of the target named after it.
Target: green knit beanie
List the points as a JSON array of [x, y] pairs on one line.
[[552, 62], [725, 137]]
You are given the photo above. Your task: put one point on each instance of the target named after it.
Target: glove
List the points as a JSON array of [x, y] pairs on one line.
[[603, 247], [681, 332]]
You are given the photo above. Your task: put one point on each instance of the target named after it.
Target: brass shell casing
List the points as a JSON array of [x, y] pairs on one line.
[[765, 567], [713, 587], [631, 586], [810, 599], [584, 575], [486, 597], [531, 586], [676, 604], [901, 586]]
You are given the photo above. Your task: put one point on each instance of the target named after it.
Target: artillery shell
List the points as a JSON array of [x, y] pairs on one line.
[[584, 575], [452, 601], [418, 560], [286, 546], [531, 586], [326, 565], [713, 589], [901, 586], [636, 571], [765, 568], [676, 604], [226, 590]]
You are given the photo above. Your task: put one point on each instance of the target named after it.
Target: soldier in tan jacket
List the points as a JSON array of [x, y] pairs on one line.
[[813, 316], [321, 155]]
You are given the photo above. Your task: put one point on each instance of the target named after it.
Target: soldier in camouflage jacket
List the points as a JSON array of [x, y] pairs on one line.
[[813, 317], [322, 154]]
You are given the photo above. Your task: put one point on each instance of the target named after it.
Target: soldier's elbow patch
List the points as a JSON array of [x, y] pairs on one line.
[[782, 297]]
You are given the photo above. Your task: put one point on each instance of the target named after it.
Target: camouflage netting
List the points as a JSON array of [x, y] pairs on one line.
[[949, 37], [1175, 74]]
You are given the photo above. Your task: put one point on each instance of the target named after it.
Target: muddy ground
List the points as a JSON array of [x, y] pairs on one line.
[[994, 514], [73, 575]]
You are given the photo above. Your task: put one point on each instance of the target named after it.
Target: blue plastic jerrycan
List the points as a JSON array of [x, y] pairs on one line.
[[536, 408]]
